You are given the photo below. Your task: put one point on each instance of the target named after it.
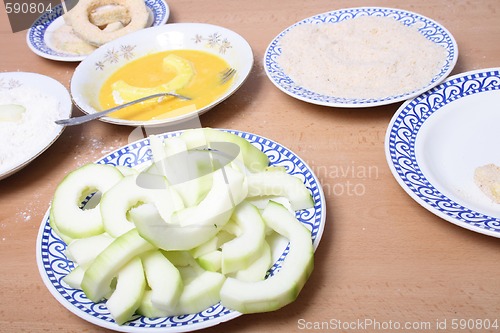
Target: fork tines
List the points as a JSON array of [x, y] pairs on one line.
[[227, 75]]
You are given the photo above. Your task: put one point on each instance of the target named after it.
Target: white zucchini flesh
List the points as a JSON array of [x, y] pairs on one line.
[[179, 258], [284, 286], [253, 158], [75, 277], [11, 112], [148, 309], [241, 251], [207, 247], [200, 293], [193, 226], [126, 171], [100, 273], [127, 296], [188, 172], [164, 280], [119, 199], [195, 190], [69, 218], [83, 251], [211, 261], [54, 227], [280, 184], [257, 270]]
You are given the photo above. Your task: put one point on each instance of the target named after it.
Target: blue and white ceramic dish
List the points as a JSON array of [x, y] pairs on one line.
[[427, 27], [54, 265], [37, 36], [435, 142]]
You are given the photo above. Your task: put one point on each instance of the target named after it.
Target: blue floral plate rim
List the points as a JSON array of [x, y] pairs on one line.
[[53, 264], [35, 37], [430, 29], [401, 148]]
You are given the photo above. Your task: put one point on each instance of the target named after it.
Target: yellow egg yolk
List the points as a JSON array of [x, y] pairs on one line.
[[165, 70]]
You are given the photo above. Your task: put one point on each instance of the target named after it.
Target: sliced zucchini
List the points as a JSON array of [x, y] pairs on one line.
[[189, 172], [98, 276], [66, 213], [164, 280], [148, 309], [209, 246], [127, 296], [193, 226], [11, 112], [211, 261], [75, 277], [83, 251], [254, 159], [117, 201], [257, 270], [179, 258], [284, 286], [126, 171], [246, 248], [200, 293], [280, 184]]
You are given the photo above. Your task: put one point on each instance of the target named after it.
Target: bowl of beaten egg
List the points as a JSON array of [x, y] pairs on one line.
[[185, 58]]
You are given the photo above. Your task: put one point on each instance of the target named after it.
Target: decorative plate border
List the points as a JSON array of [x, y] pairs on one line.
[[54, 265], [427, 27], [400, 148], [36, 34]]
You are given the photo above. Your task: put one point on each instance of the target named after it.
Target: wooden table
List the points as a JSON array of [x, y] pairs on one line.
[[383, 258]]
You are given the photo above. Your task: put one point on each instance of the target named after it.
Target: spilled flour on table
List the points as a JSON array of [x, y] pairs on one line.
[[365, 57]]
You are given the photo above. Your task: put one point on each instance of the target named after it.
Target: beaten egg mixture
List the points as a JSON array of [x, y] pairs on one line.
[[192, 73]]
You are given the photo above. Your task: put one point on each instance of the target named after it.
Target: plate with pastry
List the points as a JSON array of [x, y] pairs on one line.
[[71, 35]]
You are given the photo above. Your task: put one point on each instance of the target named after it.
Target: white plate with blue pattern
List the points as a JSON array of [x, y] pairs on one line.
[[427, 27], [53, 264], [435, 142], [38, 36]]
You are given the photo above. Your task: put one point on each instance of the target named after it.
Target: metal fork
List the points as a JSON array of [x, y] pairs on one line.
[[92, 116], [226, 75]]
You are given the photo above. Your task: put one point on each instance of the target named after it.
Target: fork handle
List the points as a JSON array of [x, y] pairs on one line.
[[92, 116]]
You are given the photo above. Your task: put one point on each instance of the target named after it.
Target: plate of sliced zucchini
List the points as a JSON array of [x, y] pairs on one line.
[[181, 231]]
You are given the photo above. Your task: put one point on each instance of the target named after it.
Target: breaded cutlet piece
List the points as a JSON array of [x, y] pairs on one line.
[[487, 177]]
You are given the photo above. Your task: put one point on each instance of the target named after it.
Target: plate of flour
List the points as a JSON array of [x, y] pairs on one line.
[[360, 57], [29, 105], [443, 144]]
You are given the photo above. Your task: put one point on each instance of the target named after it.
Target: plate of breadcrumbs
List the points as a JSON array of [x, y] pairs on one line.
[[360, 57]]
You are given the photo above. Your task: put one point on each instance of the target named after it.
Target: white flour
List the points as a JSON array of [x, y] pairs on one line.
[[21, 140], [365, 57]]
